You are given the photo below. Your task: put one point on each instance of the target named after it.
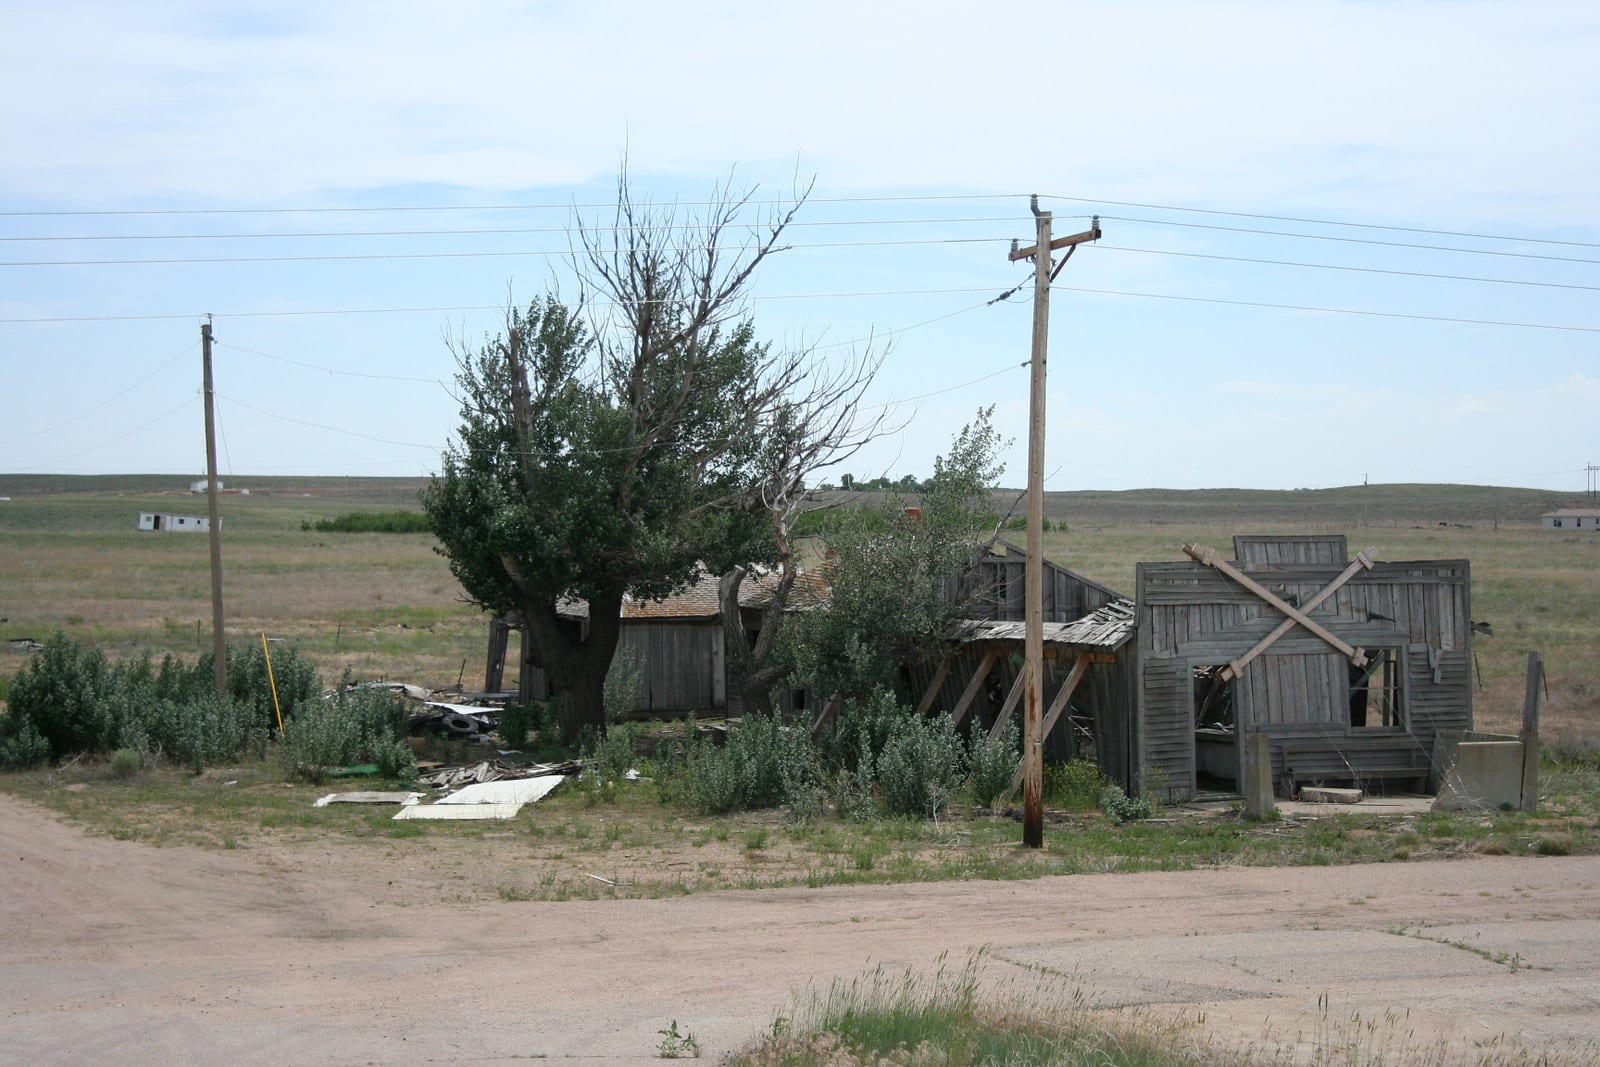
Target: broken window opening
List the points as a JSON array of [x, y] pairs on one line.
[[1216, 736], [1375, 692]]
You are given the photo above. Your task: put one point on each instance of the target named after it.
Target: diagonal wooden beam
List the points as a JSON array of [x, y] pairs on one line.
[[826, 715], [1209, 557], [1363, 561], [990, 658], [1017, 688], [1057, 706], [938, 680]]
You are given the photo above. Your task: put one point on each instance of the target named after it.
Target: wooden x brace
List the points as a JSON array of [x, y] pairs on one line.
[[1209, 557]]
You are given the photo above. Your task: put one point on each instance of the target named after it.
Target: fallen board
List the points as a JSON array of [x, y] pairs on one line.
[[459, 811], [367, 797], [506, 791]]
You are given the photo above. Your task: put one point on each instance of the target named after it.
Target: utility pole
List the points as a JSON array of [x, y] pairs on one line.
[[219, 644], [1033, 574]]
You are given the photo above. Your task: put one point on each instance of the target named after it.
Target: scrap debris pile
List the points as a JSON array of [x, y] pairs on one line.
[[487, 789]]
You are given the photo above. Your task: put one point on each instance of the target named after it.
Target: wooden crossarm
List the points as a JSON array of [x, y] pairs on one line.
[[1363, 561], [1209, 557]]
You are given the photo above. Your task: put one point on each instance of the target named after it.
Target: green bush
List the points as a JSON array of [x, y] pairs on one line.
[[921, 766], [372, 522], [623, 681], [125, 763], [1119, 807], [517, 723], [862, 728], [356, 725], [64, 695], [22, 746], [1074, 785], [762, 765], [609, 758], [992, 763]]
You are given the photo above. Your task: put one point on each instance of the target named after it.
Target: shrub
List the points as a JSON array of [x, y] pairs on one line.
[[1074, 785], [64, 697], [609, 759], [125, 763], [862, 727], [517, 722], [22, 746], [921, 766], [359, 725], [992, 763], [623, 681], [763, 765], [371, 522], [1119, 807]]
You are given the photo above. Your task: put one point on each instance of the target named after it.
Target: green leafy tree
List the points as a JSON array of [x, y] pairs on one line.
[[897, 575], [618, 447]]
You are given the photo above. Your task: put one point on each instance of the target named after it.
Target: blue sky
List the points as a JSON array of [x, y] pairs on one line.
[[1343, 240]]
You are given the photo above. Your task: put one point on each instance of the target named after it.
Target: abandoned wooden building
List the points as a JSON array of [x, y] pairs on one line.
[[1353, 668]]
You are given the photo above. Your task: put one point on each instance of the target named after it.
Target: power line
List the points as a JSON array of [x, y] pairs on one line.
[[1328, 310], [542, 253], [136, 429], [1356, 270], [186, 316], [491, 232], [1328, 222], [320, 426], [1354, 240], [331, 370], [109, 400], [611, 204]]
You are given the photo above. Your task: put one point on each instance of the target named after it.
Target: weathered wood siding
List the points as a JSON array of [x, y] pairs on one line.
[[1298, 692], [1256, 551], [681, 664], [998, 591]]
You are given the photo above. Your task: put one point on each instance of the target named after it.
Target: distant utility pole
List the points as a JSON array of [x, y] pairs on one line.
[[219, 643], [1033, 575], [1589, 473]]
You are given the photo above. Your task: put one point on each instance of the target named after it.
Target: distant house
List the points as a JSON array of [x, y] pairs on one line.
[[1571, 519], [155, 520], [200, 486]]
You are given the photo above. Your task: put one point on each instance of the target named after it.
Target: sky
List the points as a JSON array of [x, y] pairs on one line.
[[1342, 241]]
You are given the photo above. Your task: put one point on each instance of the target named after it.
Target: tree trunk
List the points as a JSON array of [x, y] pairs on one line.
[[747, 667], [576, 667]]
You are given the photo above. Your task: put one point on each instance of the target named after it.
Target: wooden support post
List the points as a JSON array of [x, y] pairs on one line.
[[1530, 733], [494, 669], [1012, 697], [939, 676], [1258, 799], [990, 658]]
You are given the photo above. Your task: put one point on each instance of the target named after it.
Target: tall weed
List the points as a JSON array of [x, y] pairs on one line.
[[922, 765]]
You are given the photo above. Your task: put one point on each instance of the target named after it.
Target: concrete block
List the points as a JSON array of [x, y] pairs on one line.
[[1313, 794], [1485, 774]]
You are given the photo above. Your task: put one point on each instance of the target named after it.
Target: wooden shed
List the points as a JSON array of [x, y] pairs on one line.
[[677, 642], [1352, 667]]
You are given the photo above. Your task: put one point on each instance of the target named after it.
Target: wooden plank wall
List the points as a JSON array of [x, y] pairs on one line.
[[1189, 615], [1000, 592], [679, 661]]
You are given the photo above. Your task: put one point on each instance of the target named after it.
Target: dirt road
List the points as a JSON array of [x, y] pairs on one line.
[[118, 952]]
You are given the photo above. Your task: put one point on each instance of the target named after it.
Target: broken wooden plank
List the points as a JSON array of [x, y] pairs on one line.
[[1321, 794], [938, 680], [1017, 689]]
